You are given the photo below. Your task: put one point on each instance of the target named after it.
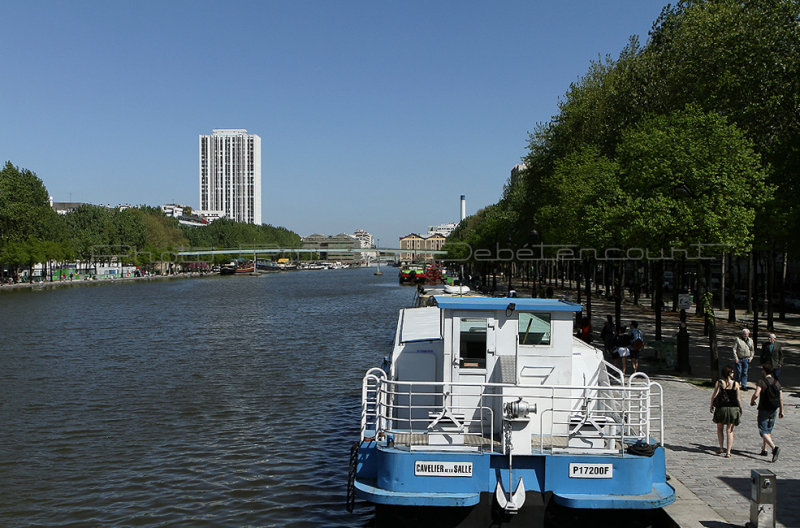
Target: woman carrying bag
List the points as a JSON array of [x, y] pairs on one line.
[[726, 404]]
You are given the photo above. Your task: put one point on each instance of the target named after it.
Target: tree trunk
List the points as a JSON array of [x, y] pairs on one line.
[[677, 282], [722, 277], [623, 274], [659, 296], [594, 276], [770, 288], [700, 290], [750, 278], [712, 339], [732, 291], [709, 291], [782, 315], [589, 270], [754, 296], [618, 288]]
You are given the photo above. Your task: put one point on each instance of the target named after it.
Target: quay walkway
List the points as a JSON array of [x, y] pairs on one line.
[[714, 491]]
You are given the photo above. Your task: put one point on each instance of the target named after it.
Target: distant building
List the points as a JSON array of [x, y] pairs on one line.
[[173, 210], [366, 239], [418, 245], [230, 174], [442, 229], [209, 216], [327, 247], [65, 207], [192, 220]]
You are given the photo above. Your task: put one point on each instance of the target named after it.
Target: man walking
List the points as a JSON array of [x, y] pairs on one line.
[[772, 356], [770, 406], [743, 352]]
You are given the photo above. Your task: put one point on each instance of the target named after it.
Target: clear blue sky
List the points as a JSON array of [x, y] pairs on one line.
[[372, 114]]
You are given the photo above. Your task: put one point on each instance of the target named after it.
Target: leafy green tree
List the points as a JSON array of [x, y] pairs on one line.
[[226, 233], [689, 178], [741, 60], [91, 228], [24, 205]]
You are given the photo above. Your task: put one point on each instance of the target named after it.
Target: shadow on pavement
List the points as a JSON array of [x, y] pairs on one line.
[[742, 486], [699, 448]]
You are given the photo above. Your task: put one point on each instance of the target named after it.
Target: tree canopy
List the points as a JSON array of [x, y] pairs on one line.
[[690, 137]]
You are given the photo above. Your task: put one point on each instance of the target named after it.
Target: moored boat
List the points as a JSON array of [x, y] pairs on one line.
[[245, 268], [411, 274], [419, 274], [491, 404], [237, 267]]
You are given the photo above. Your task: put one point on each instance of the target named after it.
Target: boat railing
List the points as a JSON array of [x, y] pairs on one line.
[[615, 375], [461, 415], [370, 413]]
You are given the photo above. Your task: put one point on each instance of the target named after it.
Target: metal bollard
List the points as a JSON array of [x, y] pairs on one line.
[[763, 492]]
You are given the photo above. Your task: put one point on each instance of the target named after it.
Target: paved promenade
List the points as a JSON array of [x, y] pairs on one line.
[[724, 483], [714, 491]]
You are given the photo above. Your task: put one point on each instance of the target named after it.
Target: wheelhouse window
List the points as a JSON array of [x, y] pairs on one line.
[[534, 328], [473, 343]]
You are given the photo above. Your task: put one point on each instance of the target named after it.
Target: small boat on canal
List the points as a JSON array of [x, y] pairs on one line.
[[421, 274], [411, 274], [491, 407], [237, 267]]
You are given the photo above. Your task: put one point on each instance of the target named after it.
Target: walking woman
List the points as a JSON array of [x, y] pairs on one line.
[[726, 404]]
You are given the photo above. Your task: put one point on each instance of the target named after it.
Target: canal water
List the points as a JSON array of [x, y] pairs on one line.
[[218, 401]]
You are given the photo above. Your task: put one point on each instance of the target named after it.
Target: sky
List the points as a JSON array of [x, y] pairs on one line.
[[372, 114]]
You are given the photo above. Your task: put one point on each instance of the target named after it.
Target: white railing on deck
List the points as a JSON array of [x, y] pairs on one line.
[[369, 401], [622, 413]]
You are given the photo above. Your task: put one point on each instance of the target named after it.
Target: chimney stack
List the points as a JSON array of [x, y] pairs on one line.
[[463, 207]]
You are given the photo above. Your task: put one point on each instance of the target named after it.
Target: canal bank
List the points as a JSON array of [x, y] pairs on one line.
[[46, 284]]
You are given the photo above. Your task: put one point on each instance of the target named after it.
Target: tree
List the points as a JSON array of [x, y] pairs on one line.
[[690, 178], [24, 205], [740, 59]]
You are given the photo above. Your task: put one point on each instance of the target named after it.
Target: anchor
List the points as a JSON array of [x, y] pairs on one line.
[[514, 502]]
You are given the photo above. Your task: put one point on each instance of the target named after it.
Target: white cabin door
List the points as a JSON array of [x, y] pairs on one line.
[[473, 351]]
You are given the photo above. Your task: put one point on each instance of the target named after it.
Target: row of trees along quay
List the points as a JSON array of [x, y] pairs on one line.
[[690, 138], [31, 232]]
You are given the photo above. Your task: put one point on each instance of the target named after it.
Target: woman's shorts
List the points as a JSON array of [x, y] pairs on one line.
[[766, 421]]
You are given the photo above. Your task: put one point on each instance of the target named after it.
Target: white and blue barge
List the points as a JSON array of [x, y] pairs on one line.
[[493, 401]]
